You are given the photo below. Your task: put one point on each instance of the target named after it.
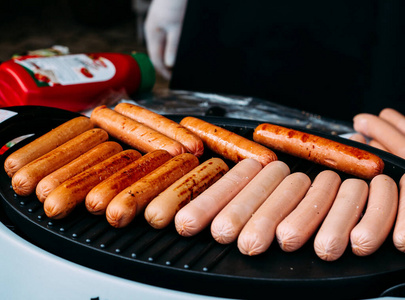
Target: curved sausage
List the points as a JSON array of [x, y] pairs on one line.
[[26, 179], [398, 235], [62, 200], [161, 211], [373, 229], [258, 233], [358, 137], [197, 214], [380, 130], [101, 195], [227, 225], [393, 117], [320, 150], [333, 236], [133, 133], [160, 123], [83, 162], [46, 143], [295, 230], [378, 145], [133, 200], [228, 144]]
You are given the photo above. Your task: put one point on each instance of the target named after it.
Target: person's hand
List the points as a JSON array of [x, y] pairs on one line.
[[162, 33], [385, 131]]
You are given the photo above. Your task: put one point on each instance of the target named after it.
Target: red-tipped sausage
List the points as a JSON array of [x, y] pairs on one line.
[[258, 233], [168, 127], [379, 217], [320, 150], [227, 225], [25, 180], [135, 134], [295, 230], [133, 200], [334, 235], [46, 143], [228, 144], [197, 214]]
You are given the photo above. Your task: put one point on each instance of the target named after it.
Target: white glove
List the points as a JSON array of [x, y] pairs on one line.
[[162, 33]]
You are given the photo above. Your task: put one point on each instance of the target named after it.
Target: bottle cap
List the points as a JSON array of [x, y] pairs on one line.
[[148, 76]]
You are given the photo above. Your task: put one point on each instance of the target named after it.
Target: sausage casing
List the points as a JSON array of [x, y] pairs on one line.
[[25, 180], [62, 200], [101, 195], [162, 209], [46, 143], [133, 200], [320, 150]]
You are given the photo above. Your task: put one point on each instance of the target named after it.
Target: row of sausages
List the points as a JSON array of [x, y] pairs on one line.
[[76, 162]]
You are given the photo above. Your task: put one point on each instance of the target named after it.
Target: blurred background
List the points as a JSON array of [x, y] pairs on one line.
[[82, 26]]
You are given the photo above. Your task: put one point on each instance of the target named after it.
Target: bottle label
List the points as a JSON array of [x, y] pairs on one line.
[[68, 69]]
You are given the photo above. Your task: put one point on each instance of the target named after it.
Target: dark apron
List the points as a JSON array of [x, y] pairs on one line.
[[333, 58]]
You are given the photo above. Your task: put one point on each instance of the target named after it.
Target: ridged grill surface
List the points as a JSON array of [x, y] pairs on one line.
[[198, 264]]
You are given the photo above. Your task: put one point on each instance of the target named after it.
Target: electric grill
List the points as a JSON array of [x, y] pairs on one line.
[[160, 263]]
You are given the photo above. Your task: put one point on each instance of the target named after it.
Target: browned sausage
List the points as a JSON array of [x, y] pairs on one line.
[[162, 209], [26, 179], [83, 162], [320, 150], [101, 195], [160, 123], [228, 144], [62, 200], [46, 143], [133, 200], [197, 214], [140, 137]]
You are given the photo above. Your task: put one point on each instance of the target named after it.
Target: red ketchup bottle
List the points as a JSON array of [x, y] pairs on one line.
[[73, 82]]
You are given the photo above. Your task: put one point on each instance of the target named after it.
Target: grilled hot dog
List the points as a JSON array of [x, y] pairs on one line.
[[83, 162], [228, 144], [101, 195], [320, 150], [163, 125], [133, 200], [62, 200], [26, 179], [46, 143], [161, 211], [135, 134]]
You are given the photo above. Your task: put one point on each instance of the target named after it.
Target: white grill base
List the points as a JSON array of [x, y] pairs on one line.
[[29, 272]]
